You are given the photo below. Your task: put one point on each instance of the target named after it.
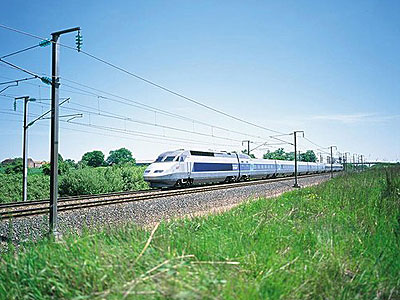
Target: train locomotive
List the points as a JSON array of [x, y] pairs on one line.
[[190, 167]]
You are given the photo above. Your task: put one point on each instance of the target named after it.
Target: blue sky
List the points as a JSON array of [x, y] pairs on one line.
[[328, 68]]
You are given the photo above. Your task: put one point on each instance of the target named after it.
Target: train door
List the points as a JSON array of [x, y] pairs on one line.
[[185, 165], [188, 169]]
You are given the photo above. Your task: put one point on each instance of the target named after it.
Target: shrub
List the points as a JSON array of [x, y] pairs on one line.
[[11, 187], [102, 180]]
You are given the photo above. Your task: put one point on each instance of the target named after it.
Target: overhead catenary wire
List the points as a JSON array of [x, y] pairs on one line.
[[149, 82], [102, 113], [19, 51], [143, 106], [180, 95], [118, 130], [19, 68], [17, 80], [154, 109], [102, 133], [131, 132]]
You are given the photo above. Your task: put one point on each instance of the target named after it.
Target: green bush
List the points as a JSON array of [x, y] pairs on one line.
[[11, 187], [15, 167], [81, 181], [102, 180]]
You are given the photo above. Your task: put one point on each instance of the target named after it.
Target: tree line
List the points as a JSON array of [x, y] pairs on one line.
[[93, 174], [280, 154], [94, 159]]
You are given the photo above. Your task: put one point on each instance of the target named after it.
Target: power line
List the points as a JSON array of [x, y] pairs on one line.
[[19, 51], [146, 135], [130, 132], [319, 146], [192, 100], [151, 83], [105, 114], [152, 108], [92, 132], [176, 93], [142, 106], [17, 80], [124, 118], [19, 68], [43, 79]]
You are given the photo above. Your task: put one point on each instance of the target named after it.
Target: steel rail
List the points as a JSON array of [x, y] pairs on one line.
[[73, 198], [133, 197]]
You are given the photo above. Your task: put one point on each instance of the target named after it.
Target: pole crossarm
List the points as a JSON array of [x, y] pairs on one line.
[[42, 116], [289, 143]]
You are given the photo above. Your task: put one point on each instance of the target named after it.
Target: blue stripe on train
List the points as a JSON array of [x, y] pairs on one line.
[[206, 167], [245, 167]]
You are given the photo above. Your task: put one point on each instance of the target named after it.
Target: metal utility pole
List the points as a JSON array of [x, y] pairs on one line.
[[362, 164], [248, 146], [55, 83], [346, 161], [295, 157], [332, 159], [25, 148]]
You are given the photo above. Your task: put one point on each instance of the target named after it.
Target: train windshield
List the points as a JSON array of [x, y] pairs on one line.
[[169, 158], [163, 158]]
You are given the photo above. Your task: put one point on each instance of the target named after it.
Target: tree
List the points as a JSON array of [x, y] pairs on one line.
[[251, 154], [93, 159], [15, 167], [289, 156], [120, 156], [63, 167], [308, 156], [70, 163], [279, 154]]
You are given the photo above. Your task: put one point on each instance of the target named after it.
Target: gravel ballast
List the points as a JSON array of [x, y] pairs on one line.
[[147, 212]]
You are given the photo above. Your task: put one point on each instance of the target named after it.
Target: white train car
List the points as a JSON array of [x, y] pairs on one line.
[[187, 167], [184, 167]]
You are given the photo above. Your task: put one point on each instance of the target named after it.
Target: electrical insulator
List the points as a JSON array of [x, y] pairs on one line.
[[44, 43], [46, 80], [79, 41]]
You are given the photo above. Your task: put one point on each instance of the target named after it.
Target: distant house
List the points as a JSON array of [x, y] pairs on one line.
[[38, 164], [31, 162], [7, 161]]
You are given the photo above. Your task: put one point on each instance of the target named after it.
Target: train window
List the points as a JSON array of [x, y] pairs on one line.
[[159, 158], [201, 153], [169, 158]]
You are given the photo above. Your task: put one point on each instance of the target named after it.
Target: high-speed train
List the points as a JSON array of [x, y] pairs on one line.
[[188, 167]]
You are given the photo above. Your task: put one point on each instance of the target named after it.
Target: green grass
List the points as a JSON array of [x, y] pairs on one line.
[[338, 240], [83, 181]]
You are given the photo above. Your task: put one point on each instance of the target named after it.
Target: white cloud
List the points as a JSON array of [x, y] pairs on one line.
[[356, 118]]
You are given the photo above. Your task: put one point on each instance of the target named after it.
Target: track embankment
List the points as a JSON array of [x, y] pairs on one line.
[[140, 208]]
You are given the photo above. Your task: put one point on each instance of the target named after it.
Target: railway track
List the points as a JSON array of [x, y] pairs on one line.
[[41, 207]]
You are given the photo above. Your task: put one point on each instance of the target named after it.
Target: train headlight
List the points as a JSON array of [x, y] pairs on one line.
[[158, 171]]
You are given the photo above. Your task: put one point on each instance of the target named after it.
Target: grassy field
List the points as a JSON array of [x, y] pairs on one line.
[[82, 181], [338, 240]]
